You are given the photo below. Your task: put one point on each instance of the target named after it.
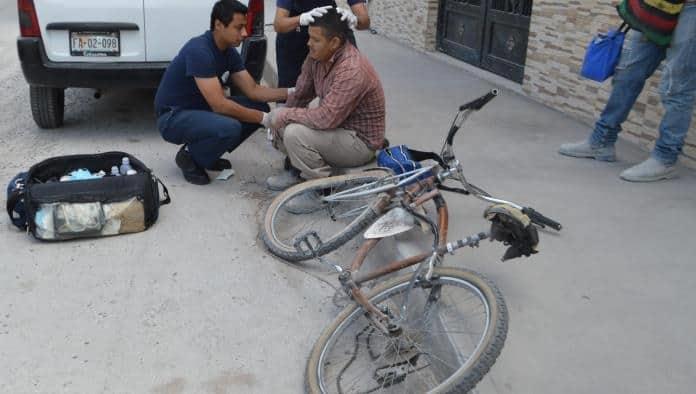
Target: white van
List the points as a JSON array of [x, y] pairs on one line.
[[113, 43]]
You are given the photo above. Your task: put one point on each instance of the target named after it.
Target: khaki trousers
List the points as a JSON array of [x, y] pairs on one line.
[[317, 152]]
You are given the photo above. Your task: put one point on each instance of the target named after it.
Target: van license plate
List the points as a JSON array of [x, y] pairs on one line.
[[90, 43]]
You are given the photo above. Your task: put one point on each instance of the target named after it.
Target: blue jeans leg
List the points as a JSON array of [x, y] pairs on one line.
[[207, 134], [639, 60], [678, 89]]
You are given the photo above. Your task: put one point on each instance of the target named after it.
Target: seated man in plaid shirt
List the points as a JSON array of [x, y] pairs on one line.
[[347, 126]]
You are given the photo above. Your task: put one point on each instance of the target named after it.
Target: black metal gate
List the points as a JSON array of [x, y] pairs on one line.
[[491, 34]]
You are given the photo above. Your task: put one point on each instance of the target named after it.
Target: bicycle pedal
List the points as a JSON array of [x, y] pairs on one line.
[[309, 240]]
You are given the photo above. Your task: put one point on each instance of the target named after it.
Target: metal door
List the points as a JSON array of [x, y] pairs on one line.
[[491, 34]]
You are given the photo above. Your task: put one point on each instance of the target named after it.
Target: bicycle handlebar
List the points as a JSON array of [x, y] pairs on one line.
[[541, 220], [479, 102], [470, 106]]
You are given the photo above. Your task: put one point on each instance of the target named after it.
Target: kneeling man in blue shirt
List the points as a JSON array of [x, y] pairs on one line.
[[190, 103]]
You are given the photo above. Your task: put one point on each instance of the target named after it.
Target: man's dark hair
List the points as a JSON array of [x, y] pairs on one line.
[[224, 11], [332, 25]]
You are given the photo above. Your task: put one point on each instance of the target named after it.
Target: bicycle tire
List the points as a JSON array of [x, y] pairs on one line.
[[462, 380], [285, 250]]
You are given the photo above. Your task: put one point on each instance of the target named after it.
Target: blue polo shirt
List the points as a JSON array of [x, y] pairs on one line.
[[198, 58], [300, 6]]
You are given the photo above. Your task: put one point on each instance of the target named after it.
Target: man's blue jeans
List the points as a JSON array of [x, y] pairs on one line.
[[639, 60], [207, 134]]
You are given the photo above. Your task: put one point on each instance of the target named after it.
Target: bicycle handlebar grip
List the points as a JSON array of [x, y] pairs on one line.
[[480, 102], [541, 220]]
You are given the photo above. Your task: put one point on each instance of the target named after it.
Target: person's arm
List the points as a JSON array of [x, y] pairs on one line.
[[360, 11], [256, 92], [212, 91], [283, 22], [344, 95]]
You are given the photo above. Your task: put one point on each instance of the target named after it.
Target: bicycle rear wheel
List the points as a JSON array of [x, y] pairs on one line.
[[452, 331], [335, 223]]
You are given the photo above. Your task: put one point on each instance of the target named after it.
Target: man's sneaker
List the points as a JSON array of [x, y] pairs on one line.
[[191, 171], [585, 149], [306, 202], [283, 181], [649, 171]]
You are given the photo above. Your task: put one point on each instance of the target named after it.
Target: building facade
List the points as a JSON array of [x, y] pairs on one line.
[[539, 44]]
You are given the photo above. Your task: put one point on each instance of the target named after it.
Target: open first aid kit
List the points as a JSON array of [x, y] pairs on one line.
[[82, 196]]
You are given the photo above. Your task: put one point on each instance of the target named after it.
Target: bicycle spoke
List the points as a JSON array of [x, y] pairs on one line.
[[436, 341]]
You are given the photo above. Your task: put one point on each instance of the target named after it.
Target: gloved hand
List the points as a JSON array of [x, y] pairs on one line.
[[270, 119], [266, 120], [308, 17], [348, 16]]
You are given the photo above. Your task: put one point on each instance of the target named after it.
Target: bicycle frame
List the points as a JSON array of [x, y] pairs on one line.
[[412, 197], [410, 192]]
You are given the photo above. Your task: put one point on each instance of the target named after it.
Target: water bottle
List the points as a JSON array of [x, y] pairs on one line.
[[125, 166], [114, 171]]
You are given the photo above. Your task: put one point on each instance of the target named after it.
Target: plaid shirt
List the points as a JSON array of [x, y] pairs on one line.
[[350, 92]]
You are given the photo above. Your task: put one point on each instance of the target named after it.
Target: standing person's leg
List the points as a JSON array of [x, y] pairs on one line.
[[639, 60], [204, 135], [678, 93], [678, 89], [291, 51]]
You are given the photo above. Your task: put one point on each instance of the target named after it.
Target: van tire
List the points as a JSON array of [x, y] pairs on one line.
[[47, 106]]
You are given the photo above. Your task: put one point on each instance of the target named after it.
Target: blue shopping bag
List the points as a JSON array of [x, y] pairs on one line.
[[603, 54]]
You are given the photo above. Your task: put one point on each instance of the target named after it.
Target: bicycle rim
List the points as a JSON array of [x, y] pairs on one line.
[[446, 345], [335, 223]]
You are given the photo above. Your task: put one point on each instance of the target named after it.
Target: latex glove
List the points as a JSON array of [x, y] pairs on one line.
[[270, 119], [267, 120], [308, 17], [348, 16], [275, 116]]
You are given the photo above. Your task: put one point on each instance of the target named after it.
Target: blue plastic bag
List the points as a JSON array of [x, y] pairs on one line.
[[602, 55]]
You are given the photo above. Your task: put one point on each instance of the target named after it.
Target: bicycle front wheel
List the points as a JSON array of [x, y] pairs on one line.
[[452, 329], [335, 222]]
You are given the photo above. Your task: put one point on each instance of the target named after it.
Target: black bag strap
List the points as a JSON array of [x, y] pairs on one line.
[[12, 201], [419, 155], [165, 191]]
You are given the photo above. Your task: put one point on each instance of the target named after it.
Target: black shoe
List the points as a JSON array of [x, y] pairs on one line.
[[191, 171], [219, 165]]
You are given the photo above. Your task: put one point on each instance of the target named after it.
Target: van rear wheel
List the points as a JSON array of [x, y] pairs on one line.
[[47, 106]]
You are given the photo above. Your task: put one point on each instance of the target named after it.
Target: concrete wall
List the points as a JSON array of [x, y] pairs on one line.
[[558, 36]]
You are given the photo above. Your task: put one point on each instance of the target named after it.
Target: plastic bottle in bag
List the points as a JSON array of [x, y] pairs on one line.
[[125, 166]]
